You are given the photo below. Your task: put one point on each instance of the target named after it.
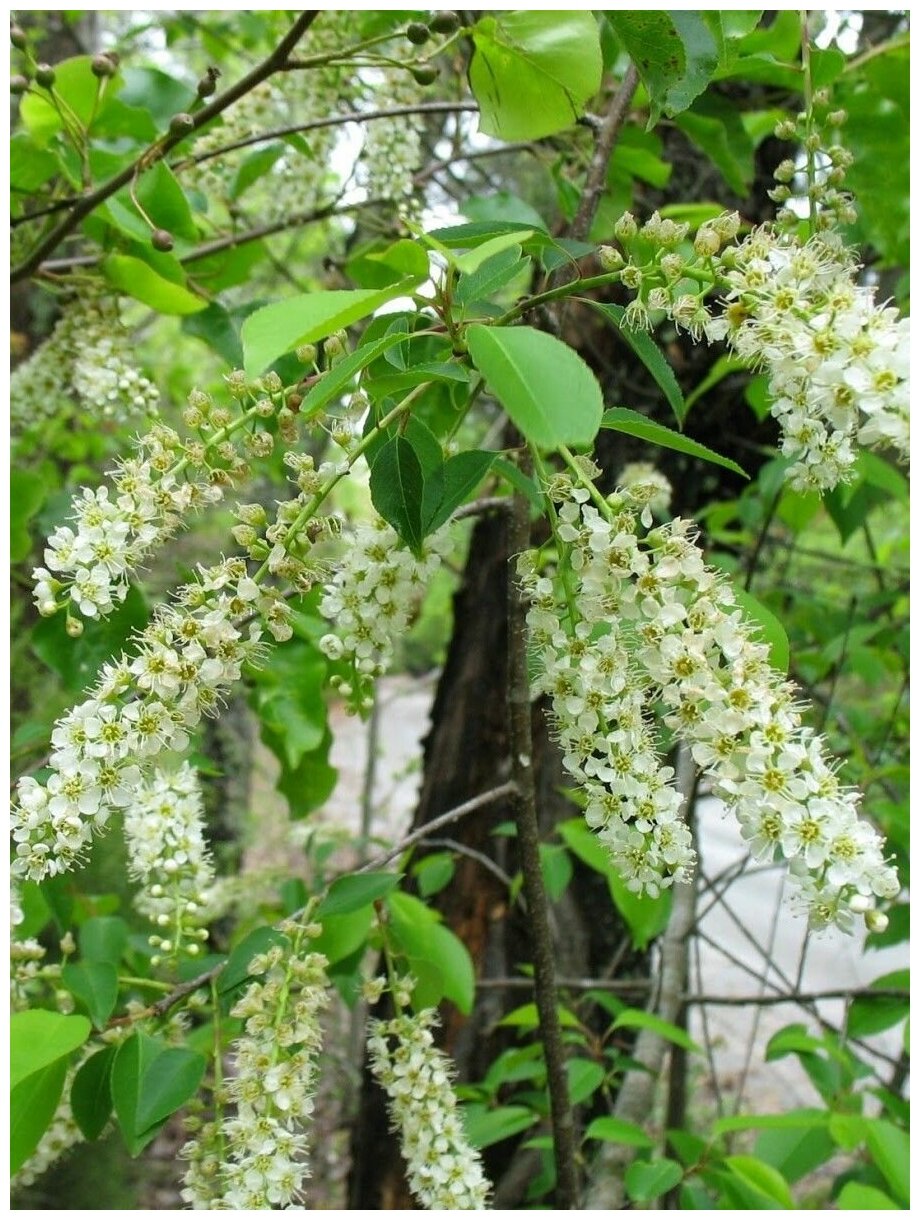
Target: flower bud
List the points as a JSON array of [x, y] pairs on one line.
[[785, 129], [208, 83], [74, 628], [161, 239], [418, 33], [181, 124], [626, 227], [306, 353], [18, 37], [103, 65], [609, 258], [19, 83], [444, 22], [785, 171], [426, 74], [876, 921], [44, 75]]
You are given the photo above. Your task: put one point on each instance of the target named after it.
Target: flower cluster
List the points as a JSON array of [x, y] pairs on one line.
[[647, 621], [392, 147], [444, 1171], [193, 649], [256, 1157], [837, 362], [88, 356], [88, 565], [370, 601], [167, 854]]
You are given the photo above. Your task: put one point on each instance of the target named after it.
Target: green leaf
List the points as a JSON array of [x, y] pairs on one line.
[[485, 1127], [433, 872], [857, 1197], [352, 893], [502, 206], [378, 268], [585, 1078], [343, 935], [634, 1018], [474, 259], [794, 1120], [622, 419], [30, 166], [651, 356], [32, 1105], [216, 327], [91, 1093], [461, 475], [795, 1152], [648, 1179], [103, 938], [715, 126], [889, 1147], [275, 329], [333, 383], [532, 73], [95, 985], [527, 1017], [871, 1014], [618, 1131], [762, 1178], [149, 1083], [674, 52], [492, 276], [76, 662], [236, 970], [397, 489], [769, 628], [138, 279], [439, 959], [288, 698], [27, 495], [160, 94], [556, 866], [164, 201], [39, 1038], [547, 389]]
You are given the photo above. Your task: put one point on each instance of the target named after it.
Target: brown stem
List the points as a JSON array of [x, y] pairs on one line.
[[607, 137], [157, 150], [524, 806]]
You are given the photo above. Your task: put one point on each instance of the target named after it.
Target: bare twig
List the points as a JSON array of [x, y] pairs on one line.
[[607, 135]]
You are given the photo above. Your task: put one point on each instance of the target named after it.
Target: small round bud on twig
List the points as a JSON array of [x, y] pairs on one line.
[[104, 64], [426, 75], [18, 37], [44, 75], [181, 124], [162, 239], [208, 83], [19, 83], [444, 22], [417, 33]]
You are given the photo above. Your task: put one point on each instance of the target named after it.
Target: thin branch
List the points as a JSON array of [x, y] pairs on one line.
[[88, 203], [503, 791], [479, 856], [524, 806], [336, 120], [607, 136]]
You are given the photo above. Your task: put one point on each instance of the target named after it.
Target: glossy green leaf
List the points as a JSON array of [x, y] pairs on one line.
[[344, 934], [857, 1197], [91, 1093], [485, 1127], [275, 329], [150, 1082], [532, 73], [288, 698], [871, 1014], [95, 985], [33, 1102], [39, 1038], [715, 126], [651, 356], [433, 873], [762, 1178], [526, 1016], [461, 475], [674, 52], [585, 1077], [889, 1147], [622, 419], [137, 279], [794, 1120], [348, 894], [474, 259], [164, 201], [30, 166], [647, 1180], [502, 206], [546, 388], [103, 938], [75, 83], [634, 1018], [618, 1131], [556, 866], [27, 494], [427, 942], [397, 487], [333, 383], [491, 276]]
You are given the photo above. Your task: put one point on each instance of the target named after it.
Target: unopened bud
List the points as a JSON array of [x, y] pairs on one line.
[[208, 83], [444, 22], [18, 37], [161, 239], [306, 353], [74, 628], [426, 74], [44, 75], [418, 33], [626, 227], [609, 258], [181, 124], [103, 65], [785, 129], [19, 83], [876, 921]]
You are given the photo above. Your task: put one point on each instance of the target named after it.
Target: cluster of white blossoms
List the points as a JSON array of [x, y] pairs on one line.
[[89, 564], [88, 356], [167, 854], [837, 362], [193, 649], [444, 1170], [371, 599], [392, 146], [643, 621], [255, 1157]]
